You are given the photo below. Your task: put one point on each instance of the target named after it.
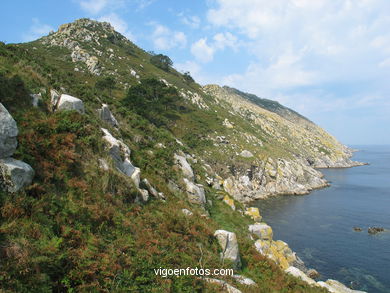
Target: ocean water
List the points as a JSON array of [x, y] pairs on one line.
[[319, 226]]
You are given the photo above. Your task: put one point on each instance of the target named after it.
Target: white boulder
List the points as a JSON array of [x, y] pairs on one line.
[[8, 133], [184, 166], [195, 192], [68, 102], [228, 242], [106, 115], [15, 174], [299, 274]]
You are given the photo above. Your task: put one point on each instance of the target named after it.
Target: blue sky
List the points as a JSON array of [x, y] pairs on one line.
[[329, 60]]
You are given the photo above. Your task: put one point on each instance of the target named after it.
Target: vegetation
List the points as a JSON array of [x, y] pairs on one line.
[[161, 61], [79, 228]]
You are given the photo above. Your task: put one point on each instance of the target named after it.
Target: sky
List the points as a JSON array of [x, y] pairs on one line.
[[328, 60]]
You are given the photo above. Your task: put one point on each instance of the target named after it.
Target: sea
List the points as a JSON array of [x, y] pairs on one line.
[[319, 226]]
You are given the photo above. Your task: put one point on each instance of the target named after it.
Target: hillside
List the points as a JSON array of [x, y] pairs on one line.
[[114, 164]]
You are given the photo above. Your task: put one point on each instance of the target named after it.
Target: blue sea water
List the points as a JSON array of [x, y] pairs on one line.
[[319, 226]]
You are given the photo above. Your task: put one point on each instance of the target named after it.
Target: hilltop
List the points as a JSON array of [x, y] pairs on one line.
[[135, 166]]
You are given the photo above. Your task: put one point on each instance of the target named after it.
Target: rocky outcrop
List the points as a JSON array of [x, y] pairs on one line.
[[254, 213], [120, 155], [244, 280], [67, 102], [261, 230], [106, 115], [334, 286], [195, 192], [272, 177], [185, 167], [228, 242], [14, 174], [8, 133]]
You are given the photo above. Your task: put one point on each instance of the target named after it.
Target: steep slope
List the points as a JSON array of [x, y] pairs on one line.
[[137, 167]]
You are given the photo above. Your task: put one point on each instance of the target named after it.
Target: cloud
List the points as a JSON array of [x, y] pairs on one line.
[[36, 30], [166, 39], [192, 21], [308, 49], [119, 24], [94, 6], [204, 51]]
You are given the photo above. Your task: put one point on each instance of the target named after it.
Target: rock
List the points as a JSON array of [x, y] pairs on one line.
[[144, 195], [187, 212], [246, 154], [106, 115], [8, 133], [184, 166], [229, 202], [223, 284], [195, 192], [15, 174], [103, 165], [68, 102], [262, 230], [36, 98], [244, 280], [227, 123], [136, 176], [334, 286], [254, 213], [375, 230], [312, 273], [151, 189], [54, 99], [228, 242], [357, 229], [299, 274]]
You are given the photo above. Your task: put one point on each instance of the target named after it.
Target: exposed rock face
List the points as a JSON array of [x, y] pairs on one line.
[[228, 242], [15, 174], [246, 154], [299, 274], [54, 99], [261, 230], [120, 154], [187, 212], [244, 280], [334, 286], [68, 102], [273, 177], [8, 133], [254, 213], [184, 166], [106, 115], [195, 192]]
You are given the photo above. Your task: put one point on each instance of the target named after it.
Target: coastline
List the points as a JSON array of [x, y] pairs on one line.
[[298, 268]]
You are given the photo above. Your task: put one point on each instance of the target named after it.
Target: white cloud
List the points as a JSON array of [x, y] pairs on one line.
[[202, 51], [36, 30], [298, 44], [94, 6], [119, 24], [192, 21], [166, 39]]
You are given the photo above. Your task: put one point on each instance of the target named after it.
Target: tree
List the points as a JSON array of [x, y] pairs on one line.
[[153, 100], [161, 61], [187, 77]]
